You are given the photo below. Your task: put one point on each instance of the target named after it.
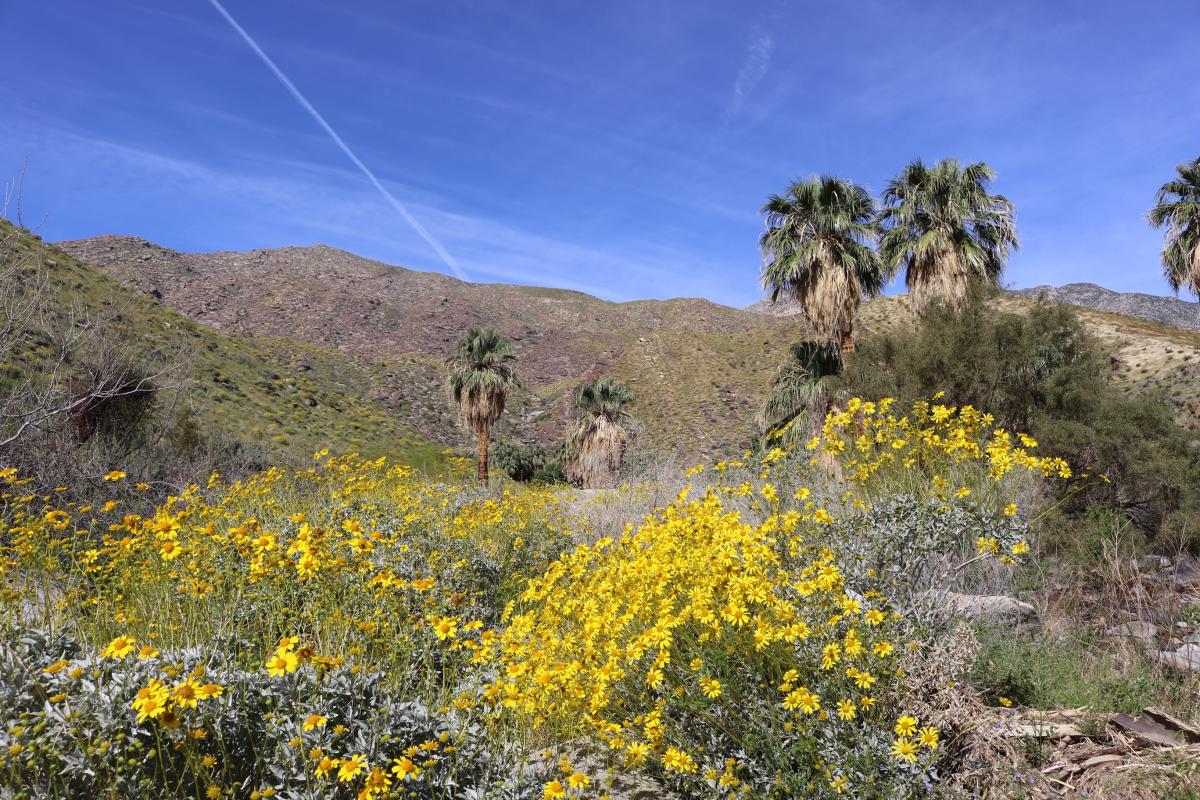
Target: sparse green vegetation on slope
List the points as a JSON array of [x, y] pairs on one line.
[[279, 395]]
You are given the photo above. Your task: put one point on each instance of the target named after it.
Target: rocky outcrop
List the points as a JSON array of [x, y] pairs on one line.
[[991, 609], [1163, 310]]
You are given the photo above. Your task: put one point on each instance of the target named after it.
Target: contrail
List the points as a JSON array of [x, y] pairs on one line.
[[307, 106]]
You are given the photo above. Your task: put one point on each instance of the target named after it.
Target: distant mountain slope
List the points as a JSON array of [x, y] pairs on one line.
[[1151, 307], [283, 395], [1164, 310], [1144, 354], [699, 369]]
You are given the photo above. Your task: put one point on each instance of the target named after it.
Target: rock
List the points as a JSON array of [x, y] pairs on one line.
[[1185, 658], [1182, 575], [997, 609], [1151, 563], [1135, 630], [1192, 638]]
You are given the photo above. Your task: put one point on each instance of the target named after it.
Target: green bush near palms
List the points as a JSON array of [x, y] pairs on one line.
[[1041, 372]]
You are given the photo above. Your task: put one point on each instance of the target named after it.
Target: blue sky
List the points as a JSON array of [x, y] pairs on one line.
[[622, 148]]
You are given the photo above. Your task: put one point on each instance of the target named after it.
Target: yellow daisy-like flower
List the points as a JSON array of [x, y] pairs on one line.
[[928, 737], [119, 647], [115, 475], [186, 694], [404, 769], [351, 767], [554, 790], [906, 725], [904, 750], [282, 663], [210, 690], [314, 721], [445, 628]]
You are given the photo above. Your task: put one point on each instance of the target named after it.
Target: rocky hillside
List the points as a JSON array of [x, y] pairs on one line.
[[699, 369], [1165, 310], [1150, 307], [285, 396], [1145, 355]]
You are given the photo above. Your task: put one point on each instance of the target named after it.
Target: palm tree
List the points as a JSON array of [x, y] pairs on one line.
[[801, 393], [945, 230], [1177, 206], [481, 376], [596, 437], [817, 248]]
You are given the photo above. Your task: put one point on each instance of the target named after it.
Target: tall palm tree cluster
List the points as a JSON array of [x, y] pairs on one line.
[[829, 246], [482, 374]]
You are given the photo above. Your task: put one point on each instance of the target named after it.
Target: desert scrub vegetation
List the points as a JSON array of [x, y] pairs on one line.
[[1043, 373], [354, 629]]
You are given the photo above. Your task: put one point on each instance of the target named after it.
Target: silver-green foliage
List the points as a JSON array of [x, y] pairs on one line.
[[73, 732]]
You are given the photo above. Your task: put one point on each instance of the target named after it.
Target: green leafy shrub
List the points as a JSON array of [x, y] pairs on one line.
[[1043, 373], [521, 462]]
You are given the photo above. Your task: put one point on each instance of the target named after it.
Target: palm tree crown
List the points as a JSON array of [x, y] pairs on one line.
[[945, 230], [817, 247], [482, 374], [596, 438], [1177, 207], [800, 392]]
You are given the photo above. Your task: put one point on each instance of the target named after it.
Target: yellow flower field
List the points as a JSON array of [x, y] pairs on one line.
[[731, 644]]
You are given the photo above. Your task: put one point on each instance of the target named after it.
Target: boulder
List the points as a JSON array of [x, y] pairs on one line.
[[1135, 630], [998, 609], [1185, 658], [1183, 575], [1151, 563]]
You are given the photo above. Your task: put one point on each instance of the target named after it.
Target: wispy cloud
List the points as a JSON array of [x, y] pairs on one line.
[[754, 68], [399, 207], [270, 204]]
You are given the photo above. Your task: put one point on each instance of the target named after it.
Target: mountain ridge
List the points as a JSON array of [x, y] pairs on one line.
[[1163, 309], [699, 370], [1155, 308]]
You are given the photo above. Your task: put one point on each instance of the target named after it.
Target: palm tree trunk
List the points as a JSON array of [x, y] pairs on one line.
[[484, 435], [847, 341]]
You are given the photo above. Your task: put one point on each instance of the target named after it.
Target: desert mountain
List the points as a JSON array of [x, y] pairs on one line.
[[279, 396], [699, 369], [1152, 307]]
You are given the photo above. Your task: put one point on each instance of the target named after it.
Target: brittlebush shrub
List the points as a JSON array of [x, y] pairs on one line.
[[724, 644], [736, 642], [1042, 372]]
